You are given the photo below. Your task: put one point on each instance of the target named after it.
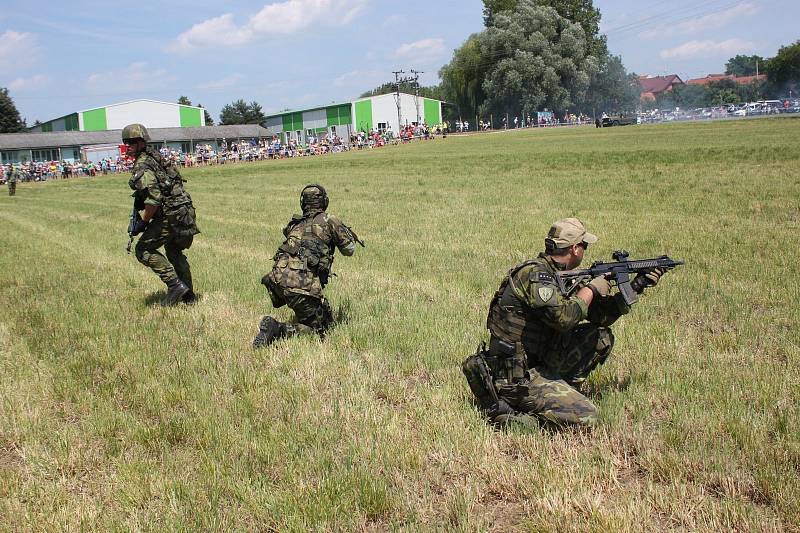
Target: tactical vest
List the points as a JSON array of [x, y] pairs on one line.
[[304, 241], [506, 318], [176, 203], [525, 328]]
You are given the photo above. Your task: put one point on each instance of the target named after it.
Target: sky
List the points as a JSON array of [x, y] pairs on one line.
[[58, 57]]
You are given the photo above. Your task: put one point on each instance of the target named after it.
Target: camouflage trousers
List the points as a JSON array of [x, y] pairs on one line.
[[174, 265], [314, 314], [12, 188], [549, 392]]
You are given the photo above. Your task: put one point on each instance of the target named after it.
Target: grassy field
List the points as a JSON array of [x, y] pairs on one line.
[[118, 414]]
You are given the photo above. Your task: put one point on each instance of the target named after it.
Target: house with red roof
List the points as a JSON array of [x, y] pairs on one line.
[[653, 86], [711, 78]]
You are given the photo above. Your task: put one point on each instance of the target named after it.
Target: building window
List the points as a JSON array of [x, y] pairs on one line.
[[45, 155], [382, 127]]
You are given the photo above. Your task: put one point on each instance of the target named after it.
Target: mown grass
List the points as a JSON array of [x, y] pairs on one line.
[[118, 414]]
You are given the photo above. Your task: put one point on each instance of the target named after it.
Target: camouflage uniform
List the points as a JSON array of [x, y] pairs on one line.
[[302, 268], [542, 349], [158, 183], [13, 176]]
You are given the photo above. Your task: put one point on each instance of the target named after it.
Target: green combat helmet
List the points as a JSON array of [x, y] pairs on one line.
[[135, 131]]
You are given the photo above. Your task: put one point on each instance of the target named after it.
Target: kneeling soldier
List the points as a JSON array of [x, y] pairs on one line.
[[544, 345], [302, 267]]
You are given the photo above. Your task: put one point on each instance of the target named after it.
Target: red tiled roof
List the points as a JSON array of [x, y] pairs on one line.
[[711, 78], [659, 84]]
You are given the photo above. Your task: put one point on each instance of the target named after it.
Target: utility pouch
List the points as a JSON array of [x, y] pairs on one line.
[[480, 379], [274, 295]]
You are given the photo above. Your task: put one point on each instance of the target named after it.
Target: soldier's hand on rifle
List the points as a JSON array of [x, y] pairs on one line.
[[138, 228], [647, 279], [600, 286]]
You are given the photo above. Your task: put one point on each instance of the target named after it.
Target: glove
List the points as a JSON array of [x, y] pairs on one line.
[[600, 286], [647, 279], [138, 227]]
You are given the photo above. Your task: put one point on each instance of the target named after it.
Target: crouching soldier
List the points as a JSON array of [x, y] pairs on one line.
[[302, 268], [543, 345]]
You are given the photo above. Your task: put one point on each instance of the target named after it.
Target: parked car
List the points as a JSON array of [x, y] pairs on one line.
[[618, 120]]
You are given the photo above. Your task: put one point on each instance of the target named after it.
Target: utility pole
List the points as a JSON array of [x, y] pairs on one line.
[[416, 74], [397, 97], [397, 82]]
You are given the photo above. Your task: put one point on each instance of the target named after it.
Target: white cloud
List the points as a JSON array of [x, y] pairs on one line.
[[273, 20], [707, 23], [29, 84], [136, 77], [424, 49], [693, 49], [18, 48], [223, 83]]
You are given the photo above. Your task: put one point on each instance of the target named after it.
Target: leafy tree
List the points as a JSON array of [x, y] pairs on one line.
[[725, 96], [493, 7], [538, 59], [240, 112], [209, 118], [433, 91], [581, 12], [10, 121], [742, 65], [613, 89], [784, 68], [184, 100], [462, 79]]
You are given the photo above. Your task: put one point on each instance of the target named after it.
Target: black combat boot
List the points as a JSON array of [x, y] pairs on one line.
[[269, 331], [176, 290], [190, 298]]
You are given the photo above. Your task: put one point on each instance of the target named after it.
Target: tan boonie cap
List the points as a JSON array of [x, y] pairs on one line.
[[569, 231]]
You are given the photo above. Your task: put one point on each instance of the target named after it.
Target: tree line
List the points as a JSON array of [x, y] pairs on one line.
[[535, 55]]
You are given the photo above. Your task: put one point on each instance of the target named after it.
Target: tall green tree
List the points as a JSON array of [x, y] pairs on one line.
[[208, 117], [784, 68], [10, 120], [539, 59], [240, 112], [462, 79], [580, 12], [184, 100], [742, 65], [613, 89]]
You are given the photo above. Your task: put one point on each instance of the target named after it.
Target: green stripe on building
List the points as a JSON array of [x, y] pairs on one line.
[[71, 122], [364, 115], [190, 117], [433, 113], [95, 120]]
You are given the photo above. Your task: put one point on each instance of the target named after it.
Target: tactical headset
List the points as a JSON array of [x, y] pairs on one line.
[[321, 189]]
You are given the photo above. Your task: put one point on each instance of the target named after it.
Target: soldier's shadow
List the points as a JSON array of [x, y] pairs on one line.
[[596, 388], [154, 298]]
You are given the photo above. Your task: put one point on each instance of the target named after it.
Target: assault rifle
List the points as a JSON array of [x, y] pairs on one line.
[[355, 237], [619, 271], [134, 220]]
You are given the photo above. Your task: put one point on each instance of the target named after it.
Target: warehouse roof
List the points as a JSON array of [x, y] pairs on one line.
[[55, 139]]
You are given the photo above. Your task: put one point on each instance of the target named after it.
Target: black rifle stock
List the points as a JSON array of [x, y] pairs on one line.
[[618, 271]]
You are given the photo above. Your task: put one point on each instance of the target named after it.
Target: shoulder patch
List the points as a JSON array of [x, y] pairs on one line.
[[545, 293]]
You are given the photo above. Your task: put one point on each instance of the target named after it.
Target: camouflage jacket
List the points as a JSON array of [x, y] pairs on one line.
[[160, 184], [529, 308], [303, 262]]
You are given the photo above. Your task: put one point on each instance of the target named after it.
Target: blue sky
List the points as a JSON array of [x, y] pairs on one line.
[[61, 57]]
